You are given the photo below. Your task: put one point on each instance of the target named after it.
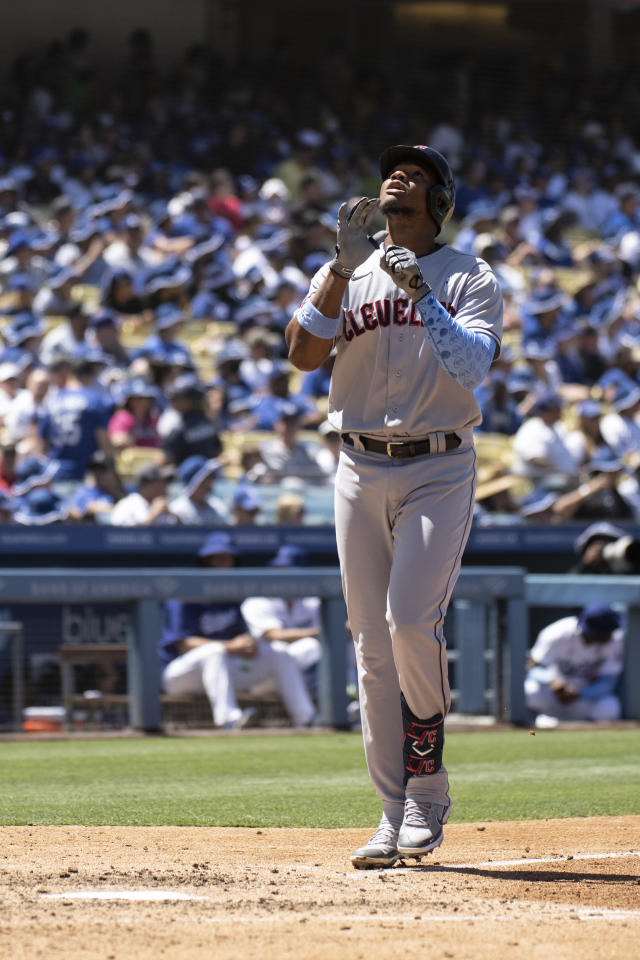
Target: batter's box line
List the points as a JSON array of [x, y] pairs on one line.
[[564, 858]]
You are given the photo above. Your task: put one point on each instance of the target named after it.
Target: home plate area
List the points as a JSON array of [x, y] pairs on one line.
[[567, 889]]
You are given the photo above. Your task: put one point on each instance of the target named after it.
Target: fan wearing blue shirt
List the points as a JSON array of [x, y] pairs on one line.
[[74, 425]]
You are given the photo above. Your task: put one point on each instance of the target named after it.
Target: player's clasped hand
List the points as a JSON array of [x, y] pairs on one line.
[[402, 266], [353, 245]]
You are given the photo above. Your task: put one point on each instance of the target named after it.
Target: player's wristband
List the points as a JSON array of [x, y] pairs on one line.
[[314, 322], [420, 291]]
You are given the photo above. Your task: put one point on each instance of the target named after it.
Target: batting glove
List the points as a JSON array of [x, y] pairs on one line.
[[402, 266], [353, 245]]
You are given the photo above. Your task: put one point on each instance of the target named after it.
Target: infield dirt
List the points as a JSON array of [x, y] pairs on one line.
[[112, 893]]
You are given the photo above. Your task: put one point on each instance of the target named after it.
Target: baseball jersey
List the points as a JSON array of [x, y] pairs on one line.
[[215, 621], [386, 379], [273, 613], [69, 425], [560, 647]]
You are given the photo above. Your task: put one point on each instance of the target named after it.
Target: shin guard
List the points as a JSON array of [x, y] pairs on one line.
[[422, 743]]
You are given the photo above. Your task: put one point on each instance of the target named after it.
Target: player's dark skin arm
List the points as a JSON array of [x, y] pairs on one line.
[[307, 352]]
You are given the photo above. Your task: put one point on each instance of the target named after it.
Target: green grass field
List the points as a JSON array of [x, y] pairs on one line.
[[317, 780]]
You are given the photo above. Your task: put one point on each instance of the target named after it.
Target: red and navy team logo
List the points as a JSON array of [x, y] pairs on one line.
[[422, 743]]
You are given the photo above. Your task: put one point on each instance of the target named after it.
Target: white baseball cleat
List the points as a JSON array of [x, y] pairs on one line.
[[380, 851], [422, 827]]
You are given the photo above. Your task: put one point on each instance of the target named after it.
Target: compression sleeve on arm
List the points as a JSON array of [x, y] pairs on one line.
[[314, 322], [464, 354]]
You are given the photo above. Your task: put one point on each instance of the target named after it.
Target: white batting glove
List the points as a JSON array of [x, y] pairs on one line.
[[402, 266], [353, 245]]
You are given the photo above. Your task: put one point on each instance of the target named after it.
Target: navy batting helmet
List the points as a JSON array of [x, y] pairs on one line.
[[441, 197]]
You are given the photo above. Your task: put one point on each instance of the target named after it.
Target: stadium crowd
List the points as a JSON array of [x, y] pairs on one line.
[[157, 232]]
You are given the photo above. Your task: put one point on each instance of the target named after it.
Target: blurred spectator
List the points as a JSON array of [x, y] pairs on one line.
[[102, 488], [540, 358], [287, 455], [20, 257], [621, 427], [540, 444], [55, 298], [65, 338], [135, 422], [148, 503], [207, 648], [26, 408], [229, 361], [499, 408], [544, 314], [188, 428], [196, 504], [74, 424], [9, 386], [261, 411], [591, 205], [119, 294], [549, 245], [128, 252], [626, 218], [586, 441], [104, 334], [301, 164], [574, 667], [169, 320], [21, 291], [289, 624], [315, 383], [290, 509], [246, 504], [604, 500], [329, 454], [480, 219], [83, 252], [254, 370]]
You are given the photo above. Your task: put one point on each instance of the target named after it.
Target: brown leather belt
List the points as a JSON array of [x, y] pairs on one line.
[[400, 449]]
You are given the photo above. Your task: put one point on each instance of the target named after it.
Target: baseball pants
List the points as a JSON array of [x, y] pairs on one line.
[[209, 669], [540, 699], [401, 528]]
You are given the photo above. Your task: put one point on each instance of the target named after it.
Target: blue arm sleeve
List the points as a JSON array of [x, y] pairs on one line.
[[601, 687], [464, 354]]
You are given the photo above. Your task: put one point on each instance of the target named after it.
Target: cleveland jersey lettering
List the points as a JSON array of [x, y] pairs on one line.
[[386, 380]]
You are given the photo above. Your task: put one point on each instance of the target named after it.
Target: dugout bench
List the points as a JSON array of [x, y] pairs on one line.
[[489, 613]]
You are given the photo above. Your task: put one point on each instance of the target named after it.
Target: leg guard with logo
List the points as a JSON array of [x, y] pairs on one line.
[[423, 742]]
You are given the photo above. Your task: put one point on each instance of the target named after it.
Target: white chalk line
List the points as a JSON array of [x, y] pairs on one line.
[[567, 858], [584, 913], [550, 912], [145, 895]]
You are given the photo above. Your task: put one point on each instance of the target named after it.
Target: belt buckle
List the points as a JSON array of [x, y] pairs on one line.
[[393, 443]]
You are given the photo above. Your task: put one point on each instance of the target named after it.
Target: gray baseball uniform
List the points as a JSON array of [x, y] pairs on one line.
[[402, 523]]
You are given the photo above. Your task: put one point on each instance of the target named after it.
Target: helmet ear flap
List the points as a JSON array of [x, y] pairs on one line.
[[439, 204]]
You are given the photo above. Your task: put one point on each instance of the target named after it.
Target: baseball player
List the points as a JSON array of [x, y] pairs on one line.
[[416, 325], [574, 667]]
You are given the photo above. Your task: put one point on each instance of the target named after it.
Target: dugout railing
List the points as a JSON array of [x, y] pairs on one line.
[[489, 620]]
